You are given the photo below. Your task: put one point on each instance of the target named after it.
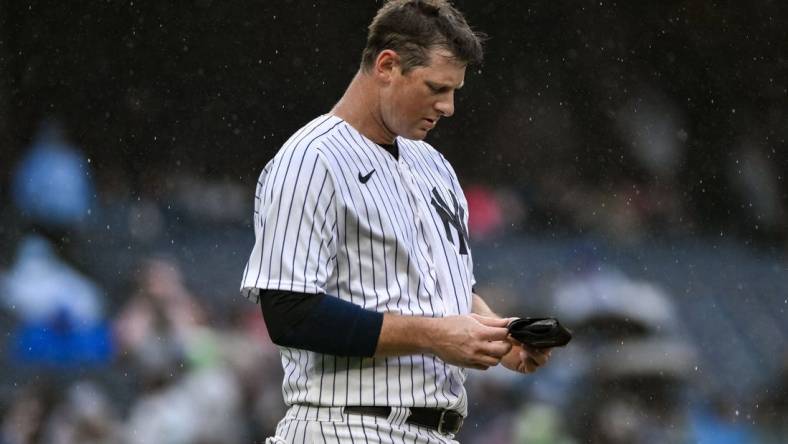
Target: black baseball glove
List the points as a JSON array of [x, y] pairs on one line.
[[539, 332]]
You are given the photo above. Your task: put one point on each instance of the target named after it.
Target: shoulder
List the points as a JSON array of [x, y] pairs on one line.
[[307, 145], [311, 136], [301, 150]]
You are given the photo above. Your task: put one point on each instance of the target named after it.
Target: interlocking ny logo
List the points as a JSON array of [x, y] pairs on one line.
[[454, 216]]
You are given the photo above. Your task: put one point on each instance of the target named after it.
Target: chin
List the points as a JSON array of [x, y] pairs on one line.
[[417, 134]]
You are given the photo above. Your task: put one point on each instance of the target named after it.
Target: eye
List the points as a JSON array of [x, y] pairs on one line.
[[436, 89]]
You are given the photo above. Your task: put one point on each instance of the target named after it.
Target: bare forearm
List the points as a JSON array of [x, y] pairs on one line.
[[465, 340], [404, 335]]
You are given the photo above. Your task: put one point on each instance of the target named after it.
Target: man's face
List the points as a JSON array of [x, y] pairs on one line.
[[412, 103]]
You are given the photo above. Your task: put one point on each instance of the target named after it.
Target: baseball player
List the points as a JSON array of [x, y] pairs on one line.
[[361, 260]]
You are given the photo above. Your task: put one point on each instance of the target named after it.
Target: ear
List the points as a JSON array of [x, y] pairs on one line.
[[386, 64]]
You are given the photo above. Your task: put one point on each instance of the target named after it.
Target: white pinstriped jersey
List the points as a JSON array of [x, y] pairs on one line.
[[395, 242]]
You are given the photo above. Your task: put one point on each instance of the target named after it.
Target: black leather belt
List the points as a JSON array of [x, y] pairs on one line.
[[444, 421]]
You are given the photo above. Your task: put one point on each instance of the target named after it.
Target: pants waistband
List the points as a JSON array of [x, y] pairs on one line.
[[447, 422]]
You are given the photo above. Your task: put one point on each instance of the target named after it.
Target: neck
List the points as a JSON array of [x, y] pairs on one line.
[[360, 108]]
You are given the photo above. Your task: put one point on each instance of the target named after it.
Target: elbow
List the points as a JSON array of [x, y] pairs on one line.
[[277, 333], [273, 334], [277, 337]]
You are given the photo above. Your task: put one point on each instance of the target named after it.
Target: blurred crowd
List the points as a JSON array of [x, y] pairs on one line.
[[632, 375], [106, 337], [656, 126], [625, 119], [145, 361], [157, 370]]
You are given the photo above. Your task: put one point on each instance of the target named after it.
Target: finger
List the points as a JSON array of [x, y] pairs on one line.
[[514, 341], [488, 361], [533, 350], [482, 364], [537, 358], [523, 366], [491, 322], [530, 364], [526, 364], [497, 349], [540, 359], [494, 334], [540, 356]]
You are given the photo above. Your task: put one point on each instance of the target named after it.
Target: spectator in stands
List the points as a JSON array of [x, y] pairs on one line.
[[58, 307]]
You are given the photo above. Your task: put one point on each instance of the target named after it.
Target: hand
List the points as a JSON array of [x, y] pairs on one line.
[[471, 341], [524, 359]]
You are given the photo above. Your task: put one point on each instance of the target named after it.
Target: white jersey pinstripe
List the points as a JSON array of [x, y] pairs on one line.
[[395, 243]]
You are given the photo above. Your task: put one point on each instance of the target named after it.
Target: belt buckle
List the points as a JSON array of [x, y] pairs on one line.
[[442, 420]]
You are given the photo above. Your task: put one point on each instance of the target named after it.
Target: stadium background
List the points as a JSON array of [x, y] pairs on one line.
[[625, 165]]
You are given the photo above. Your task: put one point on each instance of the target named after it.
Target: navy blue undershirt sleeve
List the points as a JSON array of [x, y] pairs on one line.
[[320, 323]]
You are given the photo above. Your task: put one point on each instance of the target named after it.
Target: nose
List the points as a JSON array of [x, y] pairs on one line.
[[445, 105]]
